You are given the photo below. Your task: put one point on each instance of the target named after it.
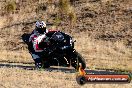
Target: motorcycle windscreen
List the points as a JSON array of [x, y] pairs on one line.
[[57, 36]]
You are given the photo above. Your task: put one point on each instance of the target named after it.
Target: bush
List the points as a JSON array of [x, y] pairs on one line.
[[10, 7], [57, 21], [72, 17], [66, 8], [64, 5]]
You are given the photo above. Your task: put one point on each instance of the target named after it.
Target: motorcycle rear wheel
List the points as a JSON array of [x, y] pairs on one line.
[[45, 64]]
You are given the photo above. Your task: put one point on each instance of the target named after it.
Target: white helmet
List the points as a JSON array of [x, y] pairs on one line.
[[40, 24]]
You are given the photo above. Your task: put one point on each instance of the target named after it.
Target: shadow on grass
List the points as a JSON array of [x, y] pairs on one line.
[[15, 65], [31, 66]]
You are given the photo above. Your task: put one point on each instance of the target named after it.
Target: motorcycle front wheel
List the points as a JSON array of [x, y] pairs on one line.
[[77, 60]]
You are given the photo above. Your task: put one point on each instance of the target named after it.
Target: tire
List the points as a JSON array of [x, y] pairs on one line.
[[45, 64], [79, 59]]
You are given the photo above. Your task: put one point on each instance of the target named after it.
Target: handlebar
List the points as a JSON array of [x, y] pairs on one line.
[[65, 47]]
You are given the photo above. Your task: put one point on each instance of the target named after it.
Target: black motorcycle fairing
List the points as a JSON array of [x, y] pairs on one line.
[[57, 36], [59, 48], [58, 39]]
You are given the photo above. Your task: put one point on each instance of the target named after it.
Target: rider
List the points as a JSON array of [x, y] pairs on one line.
[[37, 36]]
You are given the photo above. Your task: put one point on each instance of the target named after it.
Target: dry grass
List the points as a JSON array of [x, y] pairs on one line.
[[97, 52], [104, 54], [2, 22], [19, 78], [12, 56]]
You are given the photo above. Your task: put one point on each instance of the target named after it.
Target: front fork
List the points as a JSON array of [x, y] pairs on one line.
[[70, 58]]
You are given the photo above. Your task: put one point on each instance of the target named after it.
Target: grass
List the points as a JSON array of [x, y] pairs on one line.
[[19, 78], [104, 54], [10, 6], [12, 56], [36, 79], [66, 8], [98, 53]]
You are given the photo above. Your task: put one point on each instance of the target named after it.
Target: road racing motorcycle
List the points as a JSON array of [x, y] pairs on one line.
[[59, 51]]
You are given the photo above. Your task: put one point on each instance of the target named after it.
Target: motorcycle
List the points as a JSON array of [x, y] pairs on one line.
[[59, 51]]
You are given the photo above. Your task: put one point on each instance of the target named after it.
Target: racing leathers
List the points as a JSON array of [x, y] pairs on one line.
[[35, 50]]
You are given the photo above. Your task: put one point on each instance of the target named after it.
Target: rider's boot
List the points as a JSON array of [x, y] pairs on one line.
[[38, 63]]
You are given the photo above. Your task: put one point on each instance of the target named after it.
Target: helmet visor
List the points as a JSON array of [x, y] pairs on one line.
[[42, 30]]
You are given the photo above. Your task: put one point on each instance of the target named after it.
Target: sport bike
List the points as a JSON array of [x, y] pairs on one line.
[[58, 51]]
